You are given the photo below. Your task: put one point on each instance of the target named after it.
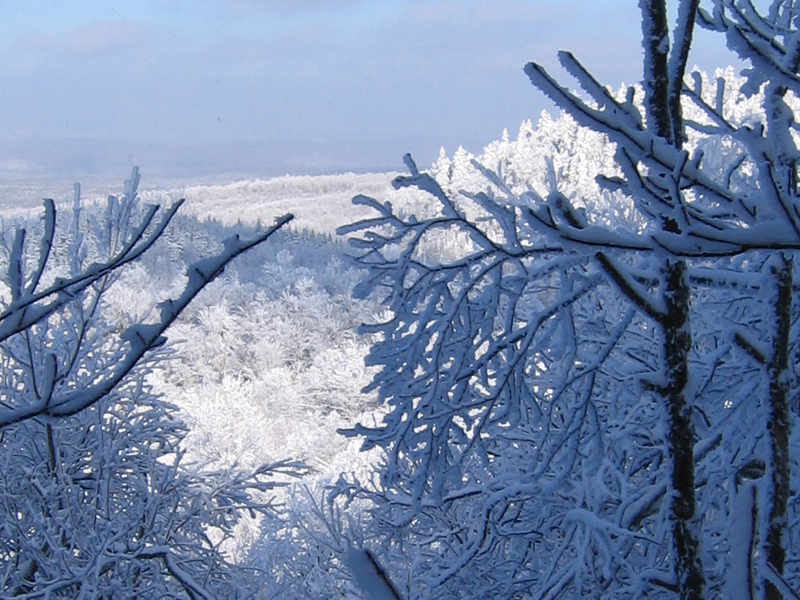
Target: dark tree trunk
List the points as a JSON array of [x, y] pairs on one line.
[[778, 423], [655, 34], [680, 432], [662, 102]]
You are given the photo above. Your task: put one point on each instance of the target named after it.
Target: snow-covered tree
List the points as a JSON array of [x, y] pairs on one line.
[[96, 497], [567, 386]]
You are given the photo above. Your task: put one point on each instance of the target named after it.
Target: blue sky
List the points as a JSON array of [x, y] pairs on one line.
[[262, 87]]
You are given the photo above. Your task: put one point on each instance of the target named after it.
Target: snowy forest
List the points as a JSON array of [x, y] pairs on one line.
[[564, 367]]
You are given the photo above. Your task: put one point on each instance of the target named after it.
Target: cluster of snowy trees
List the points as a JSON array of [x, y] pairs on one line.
[[266, 363], [589, 364]]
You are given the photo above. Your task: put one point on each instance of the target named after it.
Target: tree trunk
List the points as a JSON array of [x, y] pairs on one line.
[[778, 422], [680, 432], [655, 40], [662, 100]]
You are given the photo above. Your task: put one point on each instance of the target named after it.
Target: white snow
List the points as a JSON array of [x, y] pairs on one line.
[[320, 203]]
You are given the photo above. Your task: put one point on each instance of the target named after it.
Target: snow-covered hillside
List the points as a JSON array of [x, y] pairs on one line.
[[320, 203]]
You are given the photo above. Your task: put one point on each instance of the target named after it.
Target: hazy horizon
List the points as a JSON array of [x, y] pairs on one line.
[[256, 88]]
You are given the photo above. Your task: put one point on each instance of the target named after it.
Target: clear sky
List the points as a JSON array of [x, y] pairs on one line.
[[264, 87]]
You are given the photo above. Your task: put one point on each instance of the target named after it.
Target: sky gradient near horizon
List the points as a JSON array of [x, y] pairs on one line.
[[265, 87]]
